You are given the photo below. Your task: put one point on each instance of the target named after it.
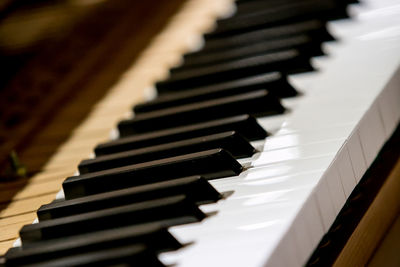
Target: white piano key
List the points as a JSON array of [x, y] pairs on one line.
[[311, 119], [288, 250], [285, 253], [17, 243], [386, 113], [395, 97], [276, 170], [335, 187], [291, 239], [274, 123], [60, 195], [388, 103], [325, 204], [356, 155], [303, 240], [272, 189], [262, 194], [379, 131], [371, 134], [346, 172], [314, 221], [303, 151], [308, 137]]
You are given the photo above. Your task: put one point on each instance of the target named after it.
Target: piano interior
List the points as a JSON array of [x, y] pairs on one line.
[[199, 133]]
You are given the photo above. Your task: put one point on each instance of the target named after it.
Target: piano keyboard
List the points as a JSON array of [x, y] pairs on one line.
[[271, 174]]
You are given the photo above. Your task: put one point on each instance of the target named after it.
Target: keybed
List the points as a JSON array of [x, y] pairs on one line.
[[282, 199]]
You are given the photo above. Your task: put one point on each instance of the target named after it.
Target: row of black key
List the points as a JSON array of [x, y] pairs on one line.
[[118, 209]]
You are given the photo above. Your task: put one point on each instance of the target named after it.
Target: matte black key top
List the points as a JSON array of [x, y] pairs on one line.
[[290, 61], [130, 255], [232, 142], [332, 6], [248, 7], [245, 125], [315, 29], [172, 210], [303, 43], [154, 236], [195, 188], [210, 164], [274, 82], [286, 13], [257, 103]]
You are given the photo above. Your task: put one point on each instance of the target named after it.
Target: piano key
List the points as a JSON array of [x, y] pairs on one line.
[[130, 254], [303, 43], [305, 137], [356, 155], [300, 151], [289, 61], [287, 246], [346, 172], [371, 138], [310, 225], [326, 206], [315, 29], [387, 104], [257, 103], [244, 8], [232, 142], [194, 188], [168, 211], [249, 7], [274, 82], [245, 125], [154, 236], [273, 172], [210, 164], [285, 13], [333, 179]]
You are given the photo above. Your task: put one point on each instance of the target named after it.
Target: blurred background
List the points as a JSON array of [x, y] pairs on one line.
[[58, 58]]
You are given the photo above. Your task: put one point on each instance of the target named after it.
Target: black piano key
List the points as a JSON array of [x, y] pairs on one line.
[[274, 82], [303, 43], [232, 142], [249, 8], [290, 61], [210, 164], [154, 236], [129, 255], [257, 103], [172, 211], [286, 13], [245, 125], [195, 188], [315, 29]]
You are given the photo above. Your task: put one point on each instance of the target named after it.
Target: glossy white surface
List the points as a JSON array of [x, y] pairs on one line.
[[292, 191]]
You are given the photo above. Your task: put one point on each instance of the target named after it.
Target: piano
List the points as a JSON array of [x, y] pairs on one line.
[[272, 198]]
